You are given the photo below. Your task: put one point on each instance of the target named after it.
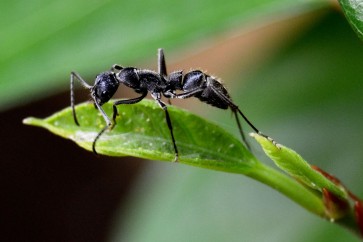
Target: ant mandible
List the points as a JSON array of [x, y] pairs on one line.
[[192, 84]]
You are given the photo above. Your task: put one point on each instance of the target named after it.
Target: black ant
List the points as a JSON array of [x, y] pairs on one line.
[[192, 84]]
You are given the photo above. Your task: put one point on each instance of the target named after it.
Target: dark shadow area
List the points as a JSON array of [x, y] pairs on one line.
[[53, 190]]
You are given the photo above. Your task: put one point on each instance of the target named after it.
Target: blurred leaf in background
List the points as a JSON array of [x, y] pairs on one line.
[[304, 89], [43, 41], [353, 11]]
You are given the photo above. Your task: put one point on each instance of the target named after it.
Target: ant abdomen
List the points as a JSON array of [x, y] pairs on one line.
[[211, 89], [194, 79]]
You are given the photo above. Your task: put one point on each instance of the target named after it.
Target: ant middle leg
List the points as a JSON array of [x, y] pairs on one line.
[[189, 94], [126, 101], [168, 121]]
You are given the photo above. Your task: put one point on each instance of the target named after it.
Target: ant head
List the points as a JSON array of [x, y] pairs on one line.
[[105, 87]]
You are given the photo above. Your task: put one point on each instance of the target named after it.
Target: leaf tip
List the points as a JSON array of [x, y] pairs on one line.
[[266, 143], [33, 121]]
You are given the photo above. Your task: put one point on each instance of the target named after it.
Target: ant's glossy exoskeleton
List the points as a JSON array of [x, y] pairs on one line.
[[176, 85]]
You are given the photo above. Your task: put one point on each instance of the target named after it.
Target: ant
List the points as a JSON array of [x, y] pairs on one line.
[[176, 85]]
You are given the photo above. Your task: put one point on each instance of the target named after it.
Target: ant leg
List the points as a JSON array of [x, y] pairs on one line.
[[114, 115], [240, 130], [161, 63], [188, 94], [168, 121], [97, 137], [127, 101], [109, 124], [132, 100], [235, 109], [75, 75], [107, 120]]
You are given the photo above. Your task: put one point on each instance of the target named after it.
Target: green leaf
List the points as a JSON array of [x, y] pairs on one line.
[[141, 131], [353, 10], [292, 163]]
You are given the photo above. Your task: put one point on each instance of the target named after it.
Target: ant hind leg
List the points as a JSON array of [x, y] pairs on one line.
[[168, 121], [240, 130], [236, 109]]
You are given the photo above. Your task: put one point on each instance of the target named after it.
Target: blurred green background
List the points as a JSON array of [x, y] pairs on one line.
[[293, 67]]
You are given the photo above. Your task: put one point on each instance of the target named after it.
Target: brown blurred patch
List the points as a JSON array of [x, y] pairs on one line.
[[242, 49]]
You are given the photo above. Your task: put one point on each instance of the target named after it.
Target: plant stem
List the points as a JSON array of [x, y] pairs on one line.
[[299, 193], [289, 187]]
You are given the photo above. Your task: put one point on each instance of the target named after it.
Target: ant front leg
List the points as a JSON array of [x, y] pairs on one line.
[[107, 120], [75, 75], [109, 124]]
